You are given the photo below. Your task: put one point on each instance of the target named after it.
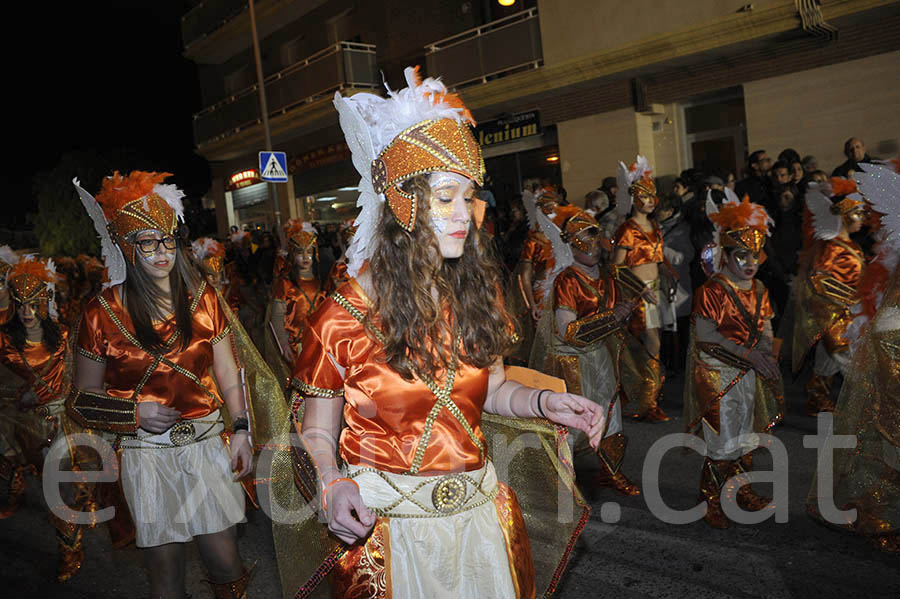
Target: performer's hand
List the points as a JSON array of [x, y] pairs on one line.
[[241, 454], [576, 411], [622, 311], [155, 417], [650, 295], [29, 399], [536, 312], [348, 518], [765, 364]]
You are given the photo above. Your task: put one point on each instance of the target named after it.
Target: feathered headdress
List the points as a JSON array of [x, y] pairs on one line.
[[742, 224], [33, 280], [880, 184], [630, 180], [574, 221], [127, 205], [210, 254], [299, 233], [416, 130], [829, 203]]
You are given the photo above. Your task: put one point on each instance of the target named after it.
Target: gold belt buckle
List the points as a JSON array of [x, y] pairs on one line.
[[182, 434], [449, 494]]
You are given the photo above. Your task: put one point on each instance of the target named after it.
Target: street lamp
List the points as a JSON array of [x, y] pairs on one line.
[[506, 2]]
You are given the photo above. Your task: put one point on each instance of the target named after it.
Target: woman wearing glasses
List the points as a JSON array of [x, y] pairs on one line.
[[156, 362]]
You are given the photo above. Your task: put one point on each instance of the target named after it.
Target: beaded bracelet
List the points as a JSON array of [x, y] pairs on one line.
[[328, 486]]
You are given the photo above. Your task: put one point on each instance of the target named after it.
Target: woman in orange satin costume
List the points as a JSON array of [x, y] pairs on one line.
[[734, 388], [828, 293], [295, 294], [35, 347], [639, 247], [156, 362], [409, 353], [210, 257]]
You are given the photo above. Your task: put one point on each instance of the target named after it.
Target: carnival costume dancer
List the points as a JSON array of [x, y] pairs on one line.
[[338, 274], [409, 352], [639, 246], [210, 257], [734, 388], [583, 333], [35, 347], [829, 291], [865, 481], [526, 292], [156, 361], [295, 295]]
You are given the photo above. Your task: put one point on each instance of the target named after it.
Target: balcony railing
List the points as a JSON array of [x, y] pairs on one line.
[[208, 16], [343, 65], [492, 50]]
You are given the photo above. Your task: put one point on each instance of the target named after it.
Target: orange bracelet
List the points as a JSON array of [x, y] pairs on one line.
[[328, 486]]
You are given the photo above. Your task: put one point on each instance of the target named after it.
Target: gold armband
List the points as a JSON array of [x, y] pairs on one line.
[[827, 286], [726, 357], [102, 412], [587, 331], [629, 284]]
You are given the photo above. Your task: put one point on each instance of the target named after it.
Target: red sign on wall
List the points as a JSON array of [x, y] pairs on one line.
[[329, 154], [243, 179]]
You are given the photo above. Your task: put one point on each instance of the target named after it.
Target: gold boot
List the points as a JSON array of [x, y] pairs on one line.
[[747, 498], [611, 452], [715, 473], [236, 589], [71, 551], [651, 391], [818, 395]]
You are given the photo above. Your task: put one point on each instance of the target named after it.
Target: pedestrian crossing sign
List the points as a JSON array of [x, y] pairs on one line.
[[273, 167]]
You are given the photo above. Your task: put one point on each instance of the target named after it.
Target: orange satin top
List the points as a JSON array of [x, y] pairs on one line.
[[108, 336], [38, 366], [385, 415], [574, 290], [300, 301], [641, 247], [842, 259], [337, 277], [538, 250], [713, 302]]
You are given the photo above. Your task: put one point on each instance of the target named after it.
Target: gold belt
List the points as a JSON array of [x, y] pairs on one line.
[[180, 434]]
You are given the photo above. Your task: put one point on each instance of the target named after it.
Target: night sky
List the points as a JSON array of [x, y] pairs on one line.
[[101, 75]]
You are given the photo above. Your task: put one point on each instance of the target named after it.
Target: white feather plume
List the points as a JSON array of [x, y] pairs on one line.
[[713, 248], [172, 195], [731, 197], [880, 184], [827, 224], [562, 253], [8, 255], [112, 255], [202, 247], [623, 191], [528, 200]]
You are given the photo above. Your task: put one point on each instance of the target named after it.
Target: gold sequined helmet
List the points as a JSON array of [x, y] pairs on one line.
[[300, 234], [32, 281], [744, 225], [573, 222], [210, 254]]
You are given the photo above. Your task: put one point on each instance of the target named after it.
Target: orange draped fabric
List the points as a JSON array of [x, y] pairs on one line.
[[642, 247], [712, 302], [583, 295], [386, 415], [843, 259], [337, 277], [101, 338], [300, 301], [34, 361], [539, 252]]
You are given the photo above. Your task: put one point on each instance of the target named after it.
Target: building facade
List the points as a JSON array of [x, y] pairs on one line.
[[562, 89]]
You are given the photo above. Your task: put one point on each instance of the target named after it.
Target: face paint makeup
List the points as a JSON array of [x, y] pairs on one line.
[[451, 205], [743, 264]]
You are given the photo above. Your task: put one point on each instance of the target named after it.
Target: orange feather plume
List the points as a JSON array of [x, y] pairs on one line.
[[450, 99], [842, 187], [737, 216], [117, 191], [35, 268]]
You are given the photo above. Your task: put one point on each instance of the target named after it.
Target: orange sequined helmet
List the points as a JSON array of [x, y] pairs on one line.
[[210, 254], [744, 225], [138, 202], [32, 280], [573, 220], [851, 200], [301, 235]]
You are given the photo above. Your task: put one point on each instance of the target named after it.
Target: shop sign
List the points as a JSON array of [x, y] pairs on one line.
[[329, 154], [243, 179], [508, 129]]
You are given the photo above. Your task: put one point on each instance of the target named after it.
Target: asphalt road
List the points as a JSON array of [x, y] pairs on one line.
[[637, 556]]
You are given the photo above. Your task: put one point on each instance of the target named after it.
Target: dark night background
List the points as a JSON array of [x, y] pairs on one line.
[[96, 85]]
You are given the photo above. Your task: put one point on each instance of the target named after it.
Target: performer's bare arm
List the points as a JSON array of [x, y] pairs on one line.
[[276, 320], [228, 377], [513, 399]]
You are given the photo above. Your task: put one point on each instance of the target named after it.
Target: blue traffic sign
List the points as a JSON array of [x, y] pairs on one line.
[[273, 167]]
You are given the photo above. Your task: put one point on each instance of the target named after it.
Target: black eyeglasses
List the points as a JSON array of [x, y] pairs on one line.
[[150, 246]]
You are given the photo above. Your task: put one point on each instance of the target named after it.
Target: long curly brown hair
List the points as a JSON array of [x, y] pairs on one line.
[[421, 299]]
